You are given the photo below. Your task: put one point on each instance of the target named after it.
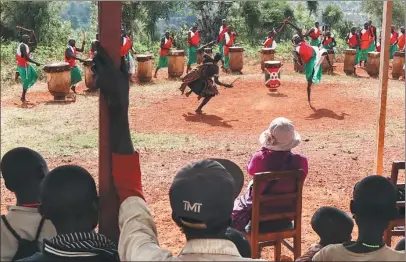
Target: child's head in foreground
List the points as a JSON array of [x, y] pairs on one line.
[[240, 241], [23, 170], [333, 225]]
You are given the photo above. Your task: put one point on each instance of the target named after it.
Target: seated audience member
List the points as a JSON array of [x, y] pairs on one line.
[[201, 195], [240, 241], [333, 226], [275, 155], [373, 206], [22, 228], [68, 198], [400, 246]]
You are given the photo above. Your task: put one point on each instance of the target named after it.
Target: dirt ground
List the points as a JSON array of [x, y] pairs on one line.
[[338, 132]]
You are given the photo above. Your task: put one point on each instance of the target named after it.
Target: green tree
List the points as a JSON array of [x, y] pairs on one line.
[[375, 9], [332, 15], [156, 10], [252, 14], [209, 15], [312, 7], [31, 15]]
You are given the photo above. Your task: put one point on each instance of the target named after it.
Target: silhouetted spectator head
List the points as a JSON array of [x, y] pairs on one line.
[[402, 29], [333, 225], [316, 24], [400, 246], [240, 241], [374, 202], [23, 170], [366, 26], [202, 198], [68, 198]]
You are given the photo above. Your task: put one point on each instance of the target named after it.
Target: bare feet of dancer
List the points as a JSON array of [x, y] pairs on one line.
[[199, 111], [188, 93]]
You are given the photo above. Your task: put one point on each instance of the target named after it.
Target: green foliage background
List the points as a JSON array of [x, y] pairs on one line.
[[55, 22]]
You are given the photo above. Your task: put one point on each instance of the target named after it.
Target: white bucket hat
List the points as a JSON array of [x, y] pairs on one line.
[[280, 136]]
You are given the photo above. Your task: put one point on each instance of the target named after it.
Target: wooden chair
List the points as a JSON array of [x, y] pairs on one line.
[[258, 239], [400, 220]]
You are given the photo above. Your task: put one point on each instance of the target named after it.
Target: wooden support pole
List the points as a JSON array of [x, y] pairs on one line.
[[383, 85], [110, 40]]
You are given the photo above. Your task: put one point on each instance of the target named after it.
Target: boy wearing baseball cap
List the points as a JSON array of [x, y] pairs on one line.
[[201, 195]]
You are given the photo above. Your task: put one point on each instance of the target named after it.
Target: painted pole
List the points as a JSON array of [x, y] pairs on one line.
[[110, 40], [383, 85]]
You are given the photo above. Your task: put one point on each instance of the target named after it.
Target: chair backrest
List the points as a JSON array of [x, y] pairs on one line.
[[297, 177], [396, 166]]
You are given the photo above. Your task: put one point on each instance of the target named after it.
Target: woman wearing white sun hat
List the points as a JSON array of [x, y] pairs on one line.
[[275, 155]]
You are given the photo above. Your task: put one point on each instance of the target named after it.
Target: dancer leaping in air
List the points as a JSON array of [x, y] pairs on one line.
[[200, 80], [310, 56]]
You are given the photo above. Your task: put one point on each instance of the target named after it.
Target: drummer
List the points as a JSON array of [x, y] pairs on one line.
[[26, 72], [329, 42], [193, 40], [372, 29], [93, 46], [220, 38], [314, 34], [166, 43], [311, 57], [353, 42], [70, 57], [126, 47], [229, 38], [393, 41], [270, 41], [401, 39], [367, 44]]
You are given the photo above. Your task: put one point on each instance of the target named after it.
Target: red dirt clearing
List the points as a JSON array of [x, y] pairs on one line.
[[338, 133]]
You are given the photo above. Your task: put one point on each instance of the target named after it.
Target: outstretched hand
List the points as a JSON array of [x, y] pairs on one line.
[[112, 81]]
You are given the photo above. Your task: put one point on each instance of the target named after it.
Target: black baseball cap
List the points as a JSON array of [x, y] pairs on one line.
[[202, 193]]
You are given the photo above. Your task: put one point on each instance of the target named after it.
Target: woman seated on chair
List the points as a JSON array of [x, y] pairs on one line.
[[275, 155]]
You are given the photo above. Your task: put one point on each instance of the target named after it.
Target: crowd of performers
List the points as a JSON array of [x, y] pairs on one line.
[[202, 80]]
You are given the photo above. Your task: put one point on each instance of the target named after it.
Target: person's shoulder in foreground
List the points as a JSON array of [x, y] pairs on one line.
[[201, 195], [338, 252]]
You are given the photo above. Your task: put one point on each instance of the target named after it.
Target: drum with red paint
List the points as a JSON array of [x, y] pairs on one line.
[[272, 75]]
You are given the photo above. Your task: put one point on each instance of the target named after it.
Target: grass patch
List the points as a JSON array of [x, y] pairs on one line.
[[167, 141]]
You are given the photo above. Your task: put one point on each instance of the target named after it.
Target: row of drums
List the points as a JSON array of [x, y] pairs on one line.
[[373, 64], [176, 63]]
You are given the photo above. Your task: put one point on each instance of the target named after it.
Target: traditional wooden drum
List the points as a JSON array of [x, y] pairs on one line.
[[58, 79], [349, 61], [373, 64], [236, 58], [144, 68], [89, 81], [176, 63], [272, 75], [397, 64], [267, 54], [324, 65]]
